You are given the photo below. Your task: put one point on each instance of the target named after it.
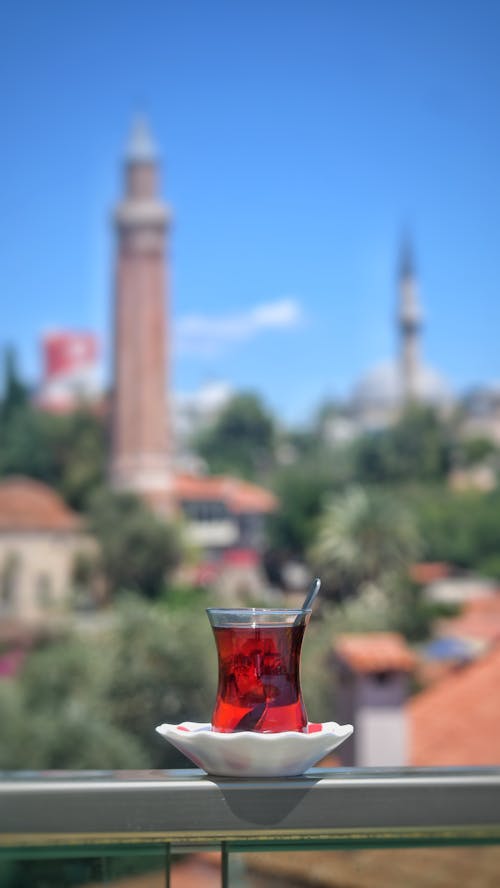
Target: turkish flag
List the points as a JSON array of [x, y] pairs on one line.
[[67, 353]]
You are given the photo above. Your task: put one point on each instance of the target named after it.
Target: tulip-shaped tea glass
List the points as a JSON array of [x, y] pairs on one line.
[[259, 669]]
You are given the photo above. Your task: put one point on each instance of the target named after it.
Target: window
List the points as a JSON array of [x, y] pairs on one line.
[[9, 581], [43, 590]]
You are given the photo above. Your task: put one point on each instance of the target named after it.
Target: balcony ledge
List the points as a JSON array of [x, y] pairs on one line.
[[336, 808]]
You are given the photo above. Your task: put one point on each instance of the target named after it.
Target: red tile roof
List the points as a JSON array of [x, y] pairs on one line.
[[479, 621], [428, 571], [473, 627], [240, 558], [238, 495], [375, 652], [489, 605], [457, 720], [26, 504], [207, 572]]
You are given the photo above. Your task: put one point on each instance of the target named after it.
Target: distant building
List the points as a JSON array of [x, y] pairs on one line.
[[456, 721], [481, 409], [70, 371], [380, 396], [459, 640], [478, 623], [459, 590], [223, 512], [481, 477], [372, 687], [142, 446], [225, 521], [425, 572], [224, 516], [40, 538]]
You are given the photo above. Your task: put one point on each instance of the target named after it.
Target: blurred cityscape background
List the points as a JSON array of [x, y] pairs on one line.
[[249, 332]]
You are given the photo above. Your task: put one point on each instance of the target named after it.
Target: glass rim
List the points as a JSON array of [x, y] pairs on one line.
[[259, 611]]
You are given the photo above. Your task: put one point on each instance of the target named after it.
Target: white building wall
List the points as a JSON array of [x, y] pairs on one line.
[[381, 737], [38, 554]]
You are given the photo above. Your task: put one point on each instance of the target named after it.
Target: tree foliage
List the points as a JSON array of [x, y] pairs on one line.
[[460, 528], [137, 549], [241, 440], [303, 487], [93, 701], [15, 393], [477, 450], [26, 446], [301, 491], [364, 537], [418, 447], [68, 452]]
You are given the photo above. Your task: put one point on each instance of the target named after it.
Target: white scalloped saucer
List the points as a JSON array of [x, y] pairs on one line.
[[250, 754]]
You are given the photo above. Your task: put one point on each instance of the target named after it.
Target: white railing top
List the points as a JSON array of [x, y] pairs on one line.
[[190, 809]]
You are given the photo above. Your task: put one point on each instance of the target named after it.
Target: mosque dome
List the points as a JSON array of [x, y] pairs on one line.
[[379, 396], [382, 386]]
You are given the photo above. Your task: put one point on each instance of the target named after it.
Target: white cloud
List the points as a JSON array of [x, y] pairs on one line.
[[207, 335]]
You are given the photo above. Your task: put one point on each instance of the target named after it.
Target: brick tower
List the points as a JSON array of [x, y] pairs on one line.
[[139, 434]]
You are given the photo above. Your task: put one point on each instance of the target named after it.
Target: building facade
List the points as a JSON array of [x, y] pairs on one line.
[[40, 540]]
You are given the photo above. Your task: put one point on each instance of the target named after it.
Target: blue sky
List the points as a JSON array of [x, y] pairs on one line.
[[298, 140]]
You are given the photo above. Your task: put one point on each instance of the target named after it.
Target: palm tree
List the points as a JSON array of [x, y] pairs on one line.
[[364, 537]]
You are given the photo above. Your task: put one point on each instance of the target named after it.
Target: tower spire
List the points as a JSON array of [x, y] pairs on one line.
[[409, 322], [141, 147], [406, 259]]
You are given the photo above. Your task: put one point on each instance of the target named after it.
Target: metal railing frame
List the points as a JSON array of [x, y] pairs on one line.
[[65, 814]]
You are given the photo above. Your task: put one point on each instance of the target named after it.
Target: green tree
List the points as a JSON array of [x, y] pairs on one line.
[[364, 537], [418, 447], [25, 446], [303, 487], [15, 392], [461, 528], [56, 714], [67, 452], [477, 450], [93, 701], [241, 440], [79, 445], [301, 490], [137, 549], [164, 670]]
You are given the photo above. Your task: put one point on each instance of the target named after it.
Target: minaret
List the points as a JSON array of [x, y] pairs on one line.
[[140, 435], [409, 325]]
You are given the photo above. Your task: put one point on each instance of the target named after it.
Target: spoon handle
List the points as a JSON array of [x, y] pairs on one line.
[[311, 595]]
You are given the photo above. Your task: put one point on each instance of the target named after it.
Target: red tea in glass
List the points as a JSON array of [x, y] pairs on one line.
[[259, 669]]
